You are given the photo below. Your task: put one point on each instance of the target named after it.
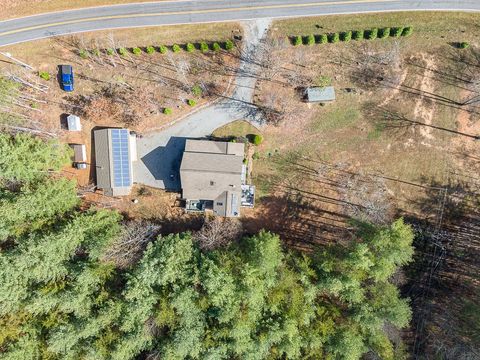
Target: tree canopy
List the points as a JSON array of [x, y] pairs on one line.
[[61, 298]]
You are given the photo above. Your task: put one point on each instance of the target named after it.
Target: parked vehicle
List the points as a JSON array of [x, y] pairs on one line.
[[67, 77]]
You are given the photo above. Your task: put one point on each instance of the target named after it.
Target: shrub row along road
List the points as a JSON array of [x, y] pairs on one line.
[[198, 11]]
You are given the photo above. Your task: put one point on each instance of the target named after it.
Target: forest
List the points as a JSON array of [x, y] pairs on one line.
[[65, 293]]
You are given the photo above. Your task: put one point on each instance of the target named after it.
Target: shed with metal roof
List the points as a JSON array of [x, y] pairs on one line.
[[320, 94], [73, 123]]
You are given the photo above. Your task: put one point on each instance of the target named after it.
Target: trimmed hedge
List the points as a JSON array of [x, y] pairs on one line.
[[334, 38], [384, 33], [396, 32], [309, 40], [371, 34], [358, 35], [257, 139], [190, 47], [45, 75], [163, 49], [323, 39], [407, 31], [346, 36], [229, 45], [204, 47]]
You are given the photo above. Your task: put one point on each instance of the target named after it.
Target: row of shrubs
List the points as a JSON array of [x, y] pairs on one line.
[[346, 36], [189, 47]]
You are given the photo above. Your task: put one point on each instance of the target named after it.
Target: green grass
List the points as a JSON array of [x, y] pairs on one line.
[[338, 117], [240, 128], [428, 25]]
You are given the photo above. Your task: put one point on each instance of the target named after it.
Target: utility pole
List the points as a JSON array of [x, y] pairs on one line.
[[21, 63]]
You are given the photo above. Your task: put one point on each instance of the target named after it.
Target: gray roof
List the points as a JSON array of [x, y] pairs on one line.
[[321, 94], [113, 161], [212, 171]]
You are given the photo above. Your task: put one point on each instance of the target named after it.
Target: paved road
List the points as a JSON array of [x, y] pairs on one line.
[[197, 11]]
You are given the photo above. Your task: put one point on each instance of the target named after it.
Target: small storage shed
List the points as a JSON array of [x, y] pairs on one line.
[[320, 94], [79, 152], [73, 123]]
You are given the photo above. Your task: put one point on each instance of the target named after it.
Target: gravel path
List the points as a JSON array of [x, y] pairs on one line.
[[159, 153]]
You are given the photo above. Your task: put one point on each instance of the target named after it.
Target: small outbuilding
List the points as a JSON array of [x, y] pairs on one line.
[[320, 94], [79, 152], [73, 123], [113, 161]]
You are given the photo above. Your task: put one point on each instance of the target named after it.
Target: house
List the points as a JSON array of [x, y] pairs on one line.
[[113, 160], [320, 94], [213, 175], [73, 123]]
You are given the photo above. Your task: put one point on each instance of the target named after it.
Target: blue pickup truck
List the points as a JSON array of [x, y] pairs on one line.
[[67, 77]]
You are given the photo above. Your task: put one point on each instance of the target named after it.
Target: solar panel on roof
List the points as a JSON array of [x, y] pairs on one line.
[[121, 165]]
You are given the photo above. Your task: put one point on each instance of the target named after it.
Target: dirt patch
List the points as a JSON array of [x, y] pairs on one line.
[[424, 110]]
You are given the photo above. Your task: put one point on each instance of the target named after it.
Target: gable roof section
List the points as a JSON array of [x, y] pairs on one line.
[[212, 171]]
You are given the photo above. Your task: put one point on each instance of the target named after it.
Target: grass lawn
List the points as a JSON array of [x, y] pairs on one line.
[[240, 128], [347, 136]]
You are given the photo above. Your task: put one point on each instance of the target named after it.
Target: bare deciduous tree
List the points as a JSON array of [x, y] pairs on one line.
[[218, 232], [132, 241]]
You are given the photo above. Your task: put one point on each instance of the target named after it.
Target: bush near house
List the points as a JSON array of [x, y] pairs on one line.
[[257, 139]]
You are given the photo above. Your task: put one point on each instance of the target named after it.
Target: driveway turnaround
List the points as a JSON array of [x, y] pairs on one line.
[[198, 11], [159, 153]]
